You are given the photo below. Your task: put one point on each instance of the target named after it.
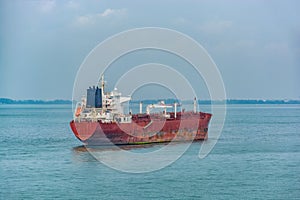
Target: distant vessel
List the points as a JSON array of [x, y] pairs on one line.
[[99, 120]]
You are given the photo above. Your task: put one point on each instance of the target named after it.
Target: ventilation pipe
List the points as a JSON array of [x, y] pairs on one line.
[[195, 105], [175, 110], [141, 107]]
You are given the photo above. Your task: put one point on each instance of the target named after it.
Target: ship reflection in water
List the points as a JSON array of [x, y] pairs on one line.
[[86, 153], [149, 147]]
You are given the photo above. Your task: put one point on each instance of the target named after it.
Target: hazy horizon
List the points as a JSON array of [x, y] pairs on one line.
[[156, 99]]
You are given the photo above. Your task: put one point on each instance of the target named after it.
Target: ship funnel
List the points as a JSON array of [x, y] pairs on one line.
[[141, 107], [98, 98]]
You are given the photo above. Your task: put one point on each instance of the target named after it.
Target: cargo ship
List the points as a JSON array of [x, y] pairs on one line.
[[99, 119]]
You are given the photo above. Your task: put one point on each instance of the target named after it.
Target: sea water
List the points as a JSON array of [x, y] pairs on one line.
[[256, 157]]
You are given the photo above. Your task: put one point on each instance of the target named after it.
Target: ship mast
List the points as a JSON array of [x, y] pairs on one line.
[[102, 85], [195, 105], [102, 92]]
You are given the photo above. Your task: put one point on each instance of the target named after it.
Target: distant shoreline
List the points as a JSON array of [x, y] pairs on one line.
[[31, 101], [167, 101]]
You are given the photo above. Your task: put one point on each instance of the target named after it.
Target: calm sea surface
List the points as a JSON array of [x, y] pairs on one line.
[[256, 157]]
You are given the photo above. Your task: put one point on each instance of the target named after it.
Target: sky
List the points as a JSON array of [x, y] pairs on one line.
[[255, 44]]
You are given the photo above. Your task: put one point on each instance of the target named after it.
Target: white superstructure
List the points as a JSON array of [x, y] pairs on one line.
[[110, 110]]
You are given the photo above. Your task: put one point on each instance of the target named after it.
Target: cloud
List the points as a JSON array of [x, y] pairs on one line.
[[110, 12], [85, 19], [277, 48], [245, 44], [180, 21], [216, 27], [73, 4], [93, 18], [46, 6]]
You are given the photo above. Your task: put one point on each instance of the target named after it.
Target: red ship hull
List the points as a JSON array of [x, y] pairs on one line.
[[187, 126]]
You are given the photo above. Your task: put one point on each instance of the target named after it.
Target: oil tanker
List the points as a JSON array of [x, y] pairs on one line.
[[99, 119]]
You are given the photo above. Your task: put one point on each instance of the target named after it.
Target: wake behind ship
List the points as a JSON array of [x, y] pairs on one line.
[[100, 120]]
